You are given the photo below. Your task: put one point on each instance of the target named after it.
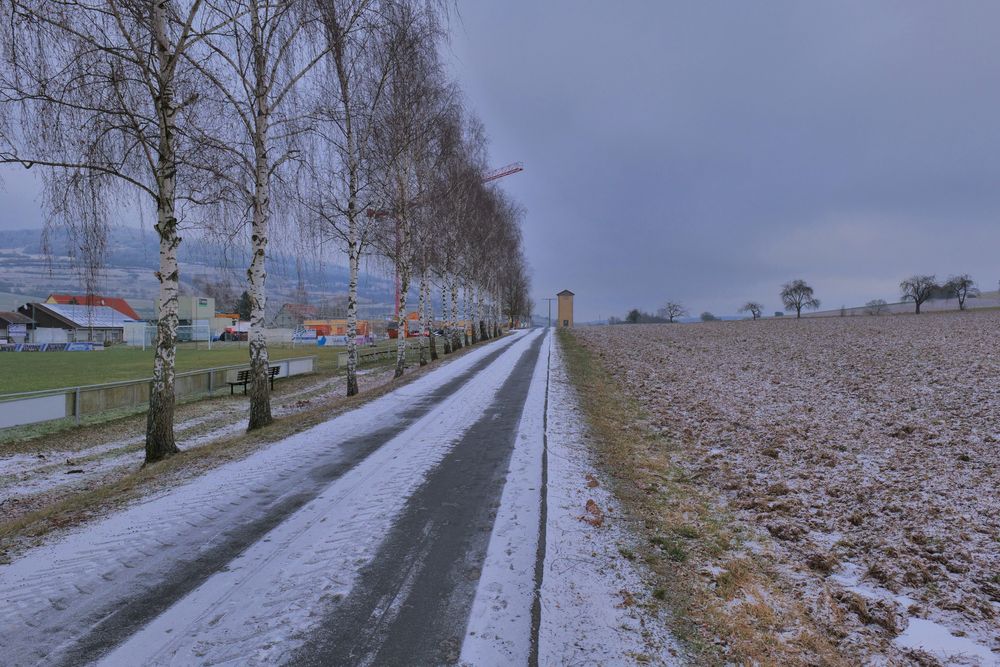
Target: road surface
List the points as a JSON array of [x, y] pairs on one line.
[[411, 531]]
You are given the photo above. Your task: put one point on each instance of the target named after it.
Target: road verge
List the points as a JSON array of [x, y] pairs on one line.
[[711, 574]]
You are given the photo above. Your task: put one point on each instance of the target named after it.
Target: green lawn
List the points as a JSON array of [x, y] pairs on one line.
[[30, 371]]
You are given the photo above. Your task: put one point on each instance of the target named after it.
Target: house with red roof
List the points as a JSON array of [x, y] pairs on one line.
[[117, 303]]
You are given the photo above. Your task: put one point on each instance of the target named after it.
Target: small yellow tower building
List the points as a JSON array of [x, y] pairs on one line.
[[565, 308]]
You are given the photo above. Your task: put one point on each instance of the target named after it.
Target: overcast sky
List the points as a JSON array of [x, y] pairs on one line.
[[707, 152]]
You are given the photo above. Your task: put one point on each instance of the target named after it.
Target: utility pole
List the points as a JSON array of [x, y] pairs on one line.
[[550, 300]]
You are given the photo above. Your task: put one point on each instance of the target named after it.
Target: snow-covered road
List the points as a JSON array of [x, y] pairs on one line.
[[405, 532]]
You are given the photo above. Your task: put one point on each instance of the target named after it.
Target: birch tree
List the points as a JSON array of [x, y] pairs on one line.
[[256, 64], [343, 199], [102, 99], [404, 137]]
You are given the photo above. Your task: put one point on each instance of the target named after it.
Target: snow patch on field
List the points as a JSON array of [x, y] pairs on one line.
[[942, 643]]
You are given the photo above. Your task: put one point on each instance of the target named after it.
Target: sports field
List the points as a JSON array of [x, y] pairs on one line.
[[31, 371]]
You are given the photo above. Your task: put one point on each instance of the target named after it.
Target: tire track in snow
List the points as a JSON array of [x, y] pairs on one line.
[[502, 627], [411, 603], [258, 610], [68, 601]]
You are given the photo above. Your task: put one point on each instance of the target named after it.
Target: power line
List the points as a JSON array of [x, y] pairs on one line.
[[550, 300]]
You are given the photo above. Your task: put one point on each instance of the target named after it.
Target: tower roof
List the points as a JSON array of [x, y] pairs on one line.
[[565, 292]]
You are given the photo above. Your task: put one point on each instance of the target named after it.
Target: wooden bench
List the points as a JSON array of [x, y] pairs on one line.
[[244, 378]]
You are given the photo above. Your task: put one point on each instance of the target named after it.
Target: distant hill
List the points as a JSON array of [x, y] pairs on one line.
[[207, 268]]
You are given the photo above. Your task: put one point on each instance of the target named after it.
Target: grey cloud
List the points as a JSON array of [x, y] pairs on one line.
[[707, 152]]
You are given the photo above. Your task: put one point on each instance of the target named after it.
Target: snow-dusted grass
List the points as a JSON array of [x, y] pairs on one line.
[[858, 456], [596, 608], [52, 370]]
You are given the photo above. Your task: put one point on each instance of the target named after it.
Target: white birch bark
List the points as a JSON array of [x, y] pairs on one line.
[[160, 441], [422, 314], [445, 320], [354, 259], [467, 303], [456, 337], [260, 395], [431, 338], [403, 266], [479, 313]]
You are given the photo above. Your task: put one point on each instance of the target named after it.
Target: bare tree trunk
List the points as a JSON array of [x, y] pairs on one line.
[[446, 323], [431, 337], [422, 313], [260, 394], [464, 310], [479, 315], [456, 342], [403, 266], [429, 322], [354, 259], [470, 310], [160, 418], [354, 245]]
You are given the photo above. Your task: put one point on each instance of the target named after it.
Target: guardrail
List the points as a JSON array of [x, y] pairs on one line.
[[367, 354], [31, 407]]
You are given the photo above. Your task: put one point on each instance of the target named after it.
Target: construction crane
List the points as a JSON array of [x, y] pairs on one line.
[[488, 177], [507, 170]]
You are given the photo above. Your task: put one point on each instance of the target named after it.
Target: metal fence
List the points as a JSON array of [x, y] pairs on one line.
[[142, 334], [32, 407]]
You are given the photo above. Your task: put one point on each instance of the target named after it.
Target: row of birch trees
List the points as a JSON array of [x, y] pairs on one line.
[[331, 119]]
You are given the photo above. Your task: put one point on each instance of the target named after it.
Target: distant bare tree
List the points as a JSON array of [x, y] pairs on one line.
[[797, 295], [962, 287], [753, 308], [672, 311], [103, 100], [708, 317], [918, 289], [876, 307]]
